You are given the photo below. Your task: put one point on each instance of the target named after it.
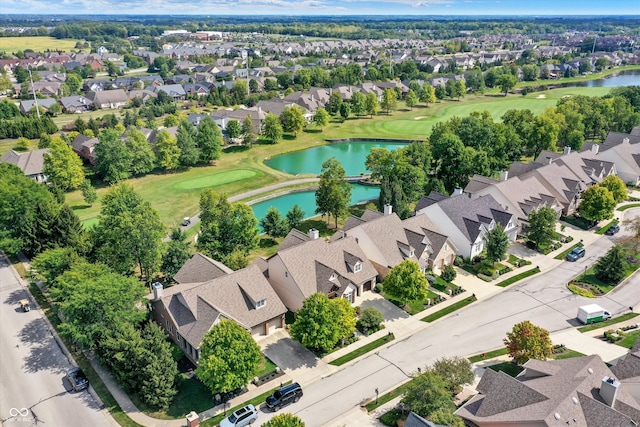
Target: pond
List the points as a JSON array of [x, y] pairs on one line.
[[307, 200], [352, 155], [625, 78]]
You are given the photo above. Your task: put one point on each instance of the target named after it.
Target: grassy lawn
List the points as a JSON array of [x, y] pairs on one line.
[[442, 285], [489, 355], [563, 254], [397, 392], [507, 367], [450, 309], [629, 339], [606, 323], [625, 207], [593, 283], [518, 277], [36, 43], [607, 226], [568, 355], [363, 350], [415, 306], [517, 262]]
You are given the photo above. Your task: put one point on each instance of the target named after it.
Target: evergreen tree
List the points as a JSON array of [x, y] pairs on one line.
[[273, 224], [612, 267], [294, 217]]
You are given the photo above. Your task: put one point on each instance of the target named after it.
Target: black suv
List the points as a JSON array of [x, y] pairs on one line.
[[287, 394]]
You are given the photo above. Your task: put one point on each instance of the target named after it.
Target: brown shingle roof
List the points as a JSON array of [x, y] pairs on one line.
[[201, 268], [31, 163]]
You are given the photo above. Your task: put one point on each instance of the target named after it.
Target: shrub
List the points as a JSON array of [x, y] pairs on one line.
[[568, 239], [485, 267], [431, 279], [379, 287], [370, 320], [458, 261], [484, 277], [613, 335], [448, 274], [581, 291], [504, 269]]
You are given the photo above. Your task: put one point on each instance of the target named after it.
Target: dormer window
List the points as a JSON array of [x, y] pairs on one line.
[[357, 267], [261, 303], [333, 276]]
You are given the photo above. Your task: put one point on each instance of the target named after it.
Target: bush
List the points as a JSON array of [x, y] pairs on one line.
[[568, 239], [581, 291], [448, 274], [379, 287], [431, 279], [485, 277], [613, 335], [369, 321], [504, 269], [485, 267], [458, 261]]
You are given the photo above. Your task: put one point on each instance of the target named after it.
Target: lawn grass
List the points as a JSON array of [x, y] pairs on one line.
[[606, 323], [508, 368], [568, 355], [363, 350], [625, 207], [442, 285], [415, 306], [387, 397], [589, 277], [563, 254], [489, 355], [450, 309], [629, 339], [517, 277], [607, 226], [36, 43]]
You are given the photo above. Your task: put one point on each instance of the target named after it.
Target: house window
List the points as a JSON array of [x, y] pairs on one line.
[[478, 247], [446, 247], [261, 303], [357, 267], [169, 327], [349, 296]]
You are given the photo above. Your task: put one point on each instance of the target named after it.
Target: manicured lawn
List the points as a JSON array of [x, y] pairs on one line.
[[442, 285], [517, 262], [518, 277], [606, 323], [589, 278], [629, 339], [363, 350], [563, 254], [607, 226], [415, 306], [568, 355], [625, 207], [397, 392], [489, 355], [449, 309], [36, 43], [508, 368]]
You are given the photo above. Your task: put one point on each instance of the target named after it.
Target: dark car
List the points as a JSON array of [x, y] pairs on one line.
[[612, 230], [78, 379], [286, 395], [575, 254]]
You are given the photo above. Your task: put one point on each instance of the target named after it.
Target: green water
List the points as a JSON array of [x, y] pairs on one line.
[[307, 201], [352, 155]]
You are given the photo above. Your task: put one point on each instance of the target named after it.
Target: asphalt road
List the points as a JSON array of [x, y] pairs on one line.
[[33, 390], [542, 299]]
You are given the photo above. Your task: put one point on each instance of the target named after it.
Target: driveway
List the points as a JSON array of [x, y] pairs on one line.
[[389, 310]]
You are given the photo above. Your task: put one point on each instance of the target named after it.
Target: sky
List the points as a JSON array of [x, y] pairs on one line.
[[323, 7]]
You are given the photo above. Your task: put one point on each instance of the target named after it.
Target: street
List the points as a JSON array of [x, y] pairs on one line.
[[33, 389]]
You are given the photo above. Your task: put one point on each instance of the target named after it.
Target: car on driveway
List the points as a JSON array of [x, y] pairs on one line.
[[186, 221], [575, 254], [241, 417], [78, 379], [612, 230], [285, 395]]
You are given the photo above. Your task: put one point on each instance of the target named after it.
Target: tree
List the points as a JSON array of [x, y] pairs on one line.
[[226, 227], [542, 225], [129, 232], [52, 263], [209, 140], [167, 149], [229, 357], [186, 140], [158, 372], [345, 110], [247, 125], [389, 99], [284, 420], [497, 243], [294, 216], [506, 83], [440, 92], [459, 89], [321, 118], [234, 130], [543, 135], [62, 166], [346, 317], [372, 104], [334, 103], [611, 268], [428, 393], [273, 224], [456, 371], [316, 326], [359, 104], [411, 100], [334, 192], [176, 253], [292, 120], [406, 282], [142, 157], [89, 194], [446, 417], [528, 341], [113, 157], [369, 320], [448, 273], [616, 186], [272, 128], [428, 94], [597, 203]]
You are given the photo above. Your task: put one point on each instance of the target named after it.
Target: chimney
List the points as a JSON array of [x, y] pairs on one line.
[[549, 160], [314, 234], [457, 192], [157, 291], [388, 209], [567, 150], [609, 390], [595, 148], [504, 175]]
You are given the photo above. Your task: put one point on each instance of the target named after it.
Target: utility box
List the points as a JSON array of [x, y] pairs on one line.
[[193, 420]]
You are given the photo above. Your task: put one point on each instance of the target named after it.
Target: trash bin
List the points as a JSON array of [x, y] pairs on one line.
[[193, 420]]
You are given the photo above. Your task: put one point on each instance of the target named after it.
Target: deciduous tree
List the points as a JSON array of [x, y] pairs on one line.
[[167, 149], [528, 341], [316, 326], [542, 225], [456, 371], [428, 393], [62, 166], [113, 157], [176, 253], [406, 282], [89, 193], [411, 100], [234, 129], [597, 203], [142, 157], [284, 420], [272, 128], [372, 104], [389, 100], [346, 317], [616, 186], [321, 118], [506, 82], [186, 140], [334, 192], [209, 140], [292, 120], [497, 243]]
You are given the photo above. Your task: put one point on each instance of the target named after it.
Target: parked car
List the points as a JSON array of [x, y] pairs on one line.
[[25, 305], [242, 417], [575, 254], [186, 221], [78, 379], [286, 395], [612, 230]]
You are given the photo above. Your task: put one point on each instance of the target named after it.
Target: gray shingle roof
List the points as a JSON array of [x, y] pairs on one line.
[[432, 198], [201, 268], [31, 162]]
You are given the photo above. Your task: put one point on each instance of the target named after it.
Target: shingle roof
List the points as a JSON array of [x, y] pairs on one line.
[[201, 268], [415, 420], [432, 198], [31, 162]]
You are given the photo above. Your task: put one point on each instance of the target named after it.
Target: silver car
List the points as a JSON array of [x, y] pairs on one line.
[[241, 417]]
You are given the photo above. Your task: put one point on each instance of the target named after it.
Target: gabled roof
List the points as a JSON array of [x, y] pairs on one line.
[[201, 268], [430, 199], [31, 162]]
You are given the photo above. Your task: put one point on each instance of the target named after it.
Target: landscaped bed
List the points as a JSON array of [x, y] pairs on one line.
[[518, 277]]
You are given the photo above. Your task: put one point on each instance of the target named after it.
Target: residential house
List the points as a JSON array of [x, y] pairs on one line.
[[30, 163], [43, 103], [580, 392], [109, 99], [466, 221], [200, 268], [144, 95], [306, 264], [175, 91], [415, 420], [277, 106], [84, 147], [624, 151], [189, 310], [75, 104], [197, 89], [222, 117]]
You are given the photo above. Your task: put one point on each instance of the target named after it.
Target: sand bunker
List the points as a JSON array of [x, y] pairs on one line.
[[541, 96], [419, 117]]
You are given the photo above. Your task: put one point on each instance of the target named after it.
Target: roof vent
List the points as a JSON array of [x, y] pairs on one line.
[[574, 400], [590, 370], [556, 416]]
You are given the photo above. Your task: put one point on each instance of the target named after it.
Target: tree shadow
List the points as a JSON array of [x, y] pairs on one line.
[[14, 297], [267, 242], [80, 208], [236, 148], [313, 131], [43, 348]]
